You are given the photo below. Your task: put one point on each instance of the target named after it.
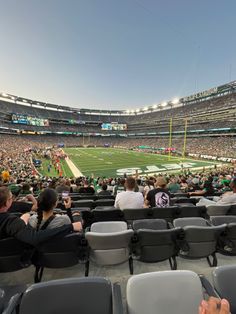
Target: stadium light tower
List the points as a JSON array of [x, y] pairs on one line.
[[154, 106], [145, 109], [137, 110], [164, 104]]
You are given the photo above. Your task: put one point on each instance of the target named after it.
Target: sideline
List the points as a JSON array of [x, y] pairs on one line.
[[76, 172]]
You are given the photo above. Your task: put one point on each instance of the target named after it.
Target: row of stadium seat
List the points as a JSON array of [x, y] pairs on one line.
[[170, 292], [111, 243]]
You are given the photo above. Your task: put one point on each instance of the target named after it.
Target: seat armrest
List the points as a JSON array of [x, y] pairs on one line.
[[117, 304]]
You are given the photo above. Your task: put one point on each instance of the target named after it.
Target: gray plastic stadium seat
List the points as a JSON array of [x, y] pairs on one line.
[[190, 221], [74, 295], [165, 292], [110, 248], [154, 224], [220, 220], [107, 227], [217, 210], [224, 280], [154, 242]]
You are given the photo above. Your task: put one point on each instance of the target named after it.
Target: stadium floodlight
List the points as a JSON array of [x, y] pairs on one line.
[[137, 110], [4, 95], [145, 108], [132, 111], [175, 101], [13, 98], [164, 104], [154, 106], [128, 111]]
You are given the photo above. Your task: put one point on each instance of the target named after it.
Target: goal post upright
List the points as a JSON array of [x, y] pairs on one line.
[[170, 137], [185, 138]]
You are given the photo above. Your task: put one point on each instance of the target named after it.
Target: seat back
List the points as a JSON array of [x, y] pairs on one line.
[[74, 295], [156, 245], [220, 220], [84, 203], [172, 292], [104, 202], [167, 213], [154, 224], [108, 227], [109, 248], [217, 210], [192, 211], [190, 221], [107, 215], [62, 252], [200, 241], [14, 255], [224, 280], [136, 214]]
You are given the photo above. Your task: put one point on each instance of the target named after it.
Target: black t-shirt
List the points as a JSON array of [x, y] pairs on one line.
[[159, 197]]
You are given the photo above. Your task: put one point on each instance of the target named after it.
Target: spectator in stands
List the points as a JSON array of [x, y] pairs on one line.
[[214, 306], [207, 188], [13, 226], [86, 188], [228, 198], [45, 218], [104, 190], [119, 187], [149, 185], [62, 187], [129, 198], [173, 186], [159, 196]]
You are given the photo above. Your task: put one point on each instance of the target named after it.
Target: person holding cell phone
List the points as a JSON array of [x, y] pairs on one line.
[[45, 217]]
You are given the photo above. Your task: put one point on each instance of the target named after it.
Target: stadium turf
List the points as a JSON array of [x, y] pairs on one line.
[[115, 162]]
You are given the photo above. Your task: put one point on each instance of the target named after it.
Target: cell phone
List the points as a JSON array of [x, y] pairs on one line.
[[64, 195]]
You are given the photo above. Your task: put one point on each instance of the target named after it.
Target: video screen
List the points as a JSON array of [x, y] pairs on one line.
[[114, 127], [29, 120]]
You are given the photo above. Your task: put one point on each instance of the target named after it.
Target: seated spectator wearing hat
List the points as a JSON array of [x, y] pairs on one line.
[[13, 226], [159, 196], [129, 199]]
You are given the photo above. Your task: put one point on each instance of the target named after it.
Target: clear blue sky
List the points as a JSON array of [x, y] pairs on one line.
[[115, 54]]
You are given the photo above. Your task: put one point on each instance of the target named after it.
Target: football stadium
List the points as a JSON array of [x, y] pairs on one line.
[[130, 207]]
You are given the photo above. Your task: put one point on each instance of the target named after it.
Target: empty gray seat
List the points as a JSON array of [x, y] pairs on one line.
[[155, 224], [107, 227], [110, 248], [190, 221], [74, 295], [165, 292], [217, 210], [220, 220]]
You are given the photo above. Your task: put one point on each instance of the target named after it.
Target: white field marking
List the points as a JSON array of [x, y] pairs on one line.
[[76, 172], [100, 159]]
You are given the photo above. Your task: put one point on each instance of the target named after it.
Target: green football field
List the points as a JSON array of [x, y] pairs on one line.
[[115, 162]]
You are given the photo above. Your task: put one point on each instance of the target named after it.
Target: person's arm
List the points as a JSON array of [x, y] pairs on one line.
[[116, 205], [197, 193], [16, 228], [32, 199]]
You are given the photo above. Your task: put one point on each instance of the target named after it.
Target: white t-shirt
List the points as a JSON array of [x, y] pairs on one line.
[[129, 199]]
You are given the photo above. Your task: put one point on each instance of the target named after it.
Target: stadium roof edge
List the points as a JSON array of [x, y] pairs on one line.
[[200, 96]]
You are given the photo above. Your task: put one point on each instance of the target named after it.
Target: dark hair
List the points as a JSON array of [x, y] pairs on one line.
[[46, 200], [104, 187]]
